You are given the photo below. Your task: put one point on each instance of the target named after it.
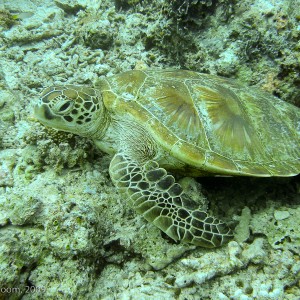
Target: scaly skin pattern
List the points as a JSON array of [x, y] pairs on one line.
[[160, 200]]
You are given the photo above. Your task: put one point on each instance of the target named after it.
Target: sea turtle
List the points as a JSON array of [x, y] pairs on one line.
[[180, 121]]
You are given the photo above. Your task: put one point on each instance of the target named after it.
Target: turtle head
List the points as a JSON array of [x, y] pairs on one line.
[[75, 109]]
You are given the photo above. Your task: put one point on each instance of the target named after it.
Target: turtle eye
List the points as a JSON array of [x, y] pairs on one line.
[[64, 107]]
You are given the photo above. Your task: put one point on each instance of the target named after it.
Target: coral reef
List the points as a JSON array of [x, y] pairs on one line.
[[65, 231], [7, 19]]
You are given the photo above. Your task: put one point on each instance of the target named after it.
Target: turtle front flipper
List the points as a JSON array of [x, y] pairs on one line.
[[161, 201]]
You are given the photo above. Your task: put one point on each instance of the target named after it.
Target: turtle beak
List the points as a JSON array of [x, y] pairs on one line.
[[38, 112], [42, 112], [44, 115]]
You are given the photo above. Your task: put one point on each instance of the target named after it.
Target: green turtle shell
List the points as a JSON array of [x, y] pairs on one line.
[[211, 123]]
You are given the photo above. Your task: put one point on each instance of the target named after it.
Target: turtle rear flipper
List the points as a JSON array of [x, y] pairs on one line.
[[161, 201]]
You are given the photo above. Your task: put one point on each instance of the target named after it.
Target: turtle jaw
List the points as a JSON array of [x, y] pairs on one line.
[[95, 129], [44, 115]]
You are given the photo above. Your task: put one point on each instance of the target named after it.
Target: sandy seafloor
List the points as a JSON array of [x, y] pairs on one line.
[[65, 231]]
